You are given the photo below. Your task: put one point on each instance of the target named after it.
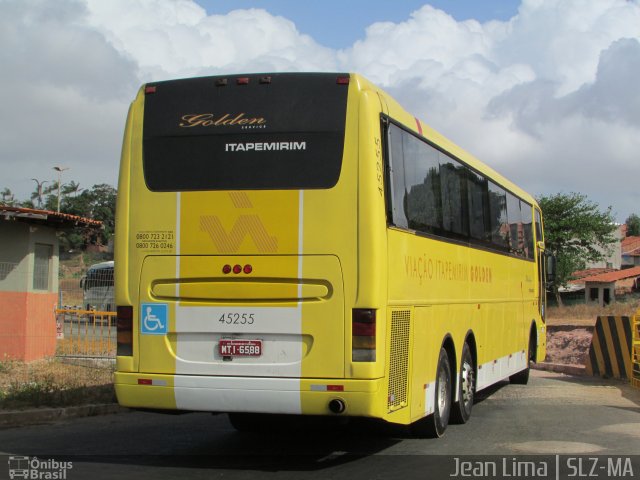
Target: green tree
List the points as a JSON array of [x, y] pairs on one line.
[[50, 196], [71, 188], [97, 203], [576, 232], [7, 198], [633, 225]]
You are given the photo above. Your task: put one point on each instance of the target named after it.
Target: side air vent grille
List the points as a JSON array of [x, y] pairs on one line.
[[399, 361]]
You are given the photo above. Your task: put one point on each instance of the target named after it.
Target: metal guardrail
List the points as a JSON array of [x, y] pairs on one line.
[[635, 352], [85, 333]]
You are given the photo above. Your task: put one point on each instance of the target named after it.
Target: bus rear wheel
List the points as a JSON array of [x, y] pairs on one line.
[[466, 388], [434, 425]]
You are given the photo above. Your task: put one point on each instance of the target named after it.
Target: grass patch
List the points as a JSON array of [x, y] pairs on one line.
[[54, 383], [592, 311], [7, 366]]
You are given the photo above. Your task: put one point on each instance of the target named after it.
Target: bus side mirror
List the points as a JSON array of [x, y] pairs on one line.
[[551, 268], [82, 282]]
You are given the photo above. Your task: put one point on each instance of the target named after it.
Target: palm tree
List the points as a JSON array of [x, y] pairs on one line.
[[71, 187]]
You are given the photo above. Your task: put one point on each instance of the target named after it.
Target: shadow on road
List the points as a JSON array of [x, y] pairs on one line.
[[308, 444]]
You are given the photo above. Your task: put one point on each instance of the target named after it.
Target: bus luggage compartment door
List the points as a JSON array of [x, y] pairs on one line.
[[204, 321]]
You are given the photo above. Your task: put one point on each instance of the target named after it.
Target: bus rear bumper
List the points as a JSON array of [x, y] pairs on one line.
[[249, 394]]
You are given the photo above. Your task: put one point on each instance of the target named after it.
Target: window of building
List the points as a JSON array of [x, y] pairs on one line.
[[606, 296], [42, 266]]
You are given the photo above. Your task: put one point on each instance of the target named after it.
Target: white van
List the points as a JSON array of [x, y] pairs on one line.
[[97, 288]]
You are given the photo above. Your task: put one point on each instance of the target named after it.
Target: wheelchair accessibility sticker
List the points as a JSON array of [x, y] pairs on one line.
[[154, 318]]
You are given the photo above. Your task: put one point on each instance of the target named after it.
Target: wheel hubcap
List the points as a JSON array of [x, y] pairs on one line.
[[467, 383], [443, 393]]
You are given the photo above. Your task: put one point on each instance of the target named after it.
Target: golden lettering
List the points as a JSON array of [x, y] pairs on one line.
[[427, 268], [210, 120]]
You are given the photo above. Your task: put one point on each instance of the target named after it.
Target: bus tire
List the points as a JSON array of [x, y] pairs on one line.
[[522, 378], [435, 424], [461, 411]]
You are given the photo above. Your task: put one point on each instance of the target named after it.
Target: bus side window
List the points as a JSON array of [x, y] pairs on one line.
[[527, 227], [499, 234], [539, 236], [398, 188], [478, 208], [422, 174], [514, 216]]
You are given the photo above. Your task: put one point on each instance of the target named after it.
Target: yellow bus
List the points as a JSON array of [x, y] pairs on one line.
[[297, 243]]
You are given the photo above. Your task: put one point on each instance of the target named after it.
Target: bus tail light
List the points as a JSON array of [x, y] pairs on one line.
[[125, 330], [363, 330]]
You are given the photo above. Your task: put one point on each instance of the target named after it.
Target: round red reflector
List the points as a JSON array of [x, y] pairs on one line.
[[226, 269], [247, 269], [237, 269]]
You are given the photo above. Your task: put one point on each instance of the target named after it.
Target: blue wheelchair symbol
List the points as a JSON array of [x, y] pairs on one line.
[[154, 318]]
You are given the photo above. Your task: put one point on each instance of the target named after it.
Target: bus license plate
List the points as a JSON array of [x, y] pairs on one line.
[[240, 348]]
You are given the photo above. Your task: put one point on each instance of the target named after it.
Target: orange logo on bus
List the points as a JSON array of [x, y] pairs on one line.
[[251, 225]]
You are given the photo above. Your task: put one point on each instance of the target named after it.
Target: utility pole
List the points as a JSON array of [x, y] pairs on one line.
[[39, 191], [60, 170]]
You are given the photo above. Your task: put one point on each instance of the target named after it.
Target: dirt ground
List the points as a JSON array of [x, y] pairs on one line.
[[571, 345]]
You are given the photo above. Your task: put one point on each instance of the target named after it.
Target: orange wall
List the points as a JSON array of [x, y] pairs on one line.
[[27, 325]]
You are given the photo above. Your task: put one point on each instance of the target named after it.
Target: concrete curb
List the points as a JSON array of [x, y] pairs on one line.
[[21, 418], [560, 368]]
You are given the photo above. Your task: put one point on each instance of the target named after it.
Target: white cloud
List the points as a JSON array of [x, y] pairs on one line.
[[63, 89], [178, 38], [562, 40], [548, 97]]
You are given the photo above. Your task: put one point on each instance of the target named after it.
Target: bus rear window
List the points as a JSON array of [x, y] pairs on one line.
[[218, 133]]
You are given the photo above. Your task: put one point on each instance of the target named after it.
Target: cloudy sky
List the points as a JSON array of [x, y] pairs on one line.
[[545, 91]]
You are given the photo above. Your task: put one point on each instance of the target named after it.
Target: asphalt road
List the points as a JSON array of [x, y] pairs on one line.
[[554, 414]]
